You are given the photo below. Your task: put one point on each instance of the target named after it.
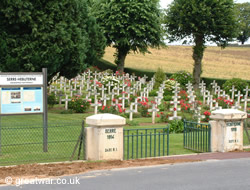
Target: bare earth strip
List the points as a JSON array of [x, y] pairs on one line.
[[231, 62], [30, 171]]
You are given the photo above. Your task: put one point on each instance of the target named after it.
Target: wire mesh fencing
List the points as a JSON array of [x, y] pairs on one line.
[[24, 143]]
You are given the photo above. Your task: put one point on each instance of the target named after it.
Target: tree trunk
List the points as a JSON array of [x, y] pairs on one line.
[[198, 51], [120, 58]]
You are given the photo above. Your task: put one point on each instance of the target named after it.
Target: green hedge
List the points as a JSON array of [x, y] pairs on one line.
[[104, 65]]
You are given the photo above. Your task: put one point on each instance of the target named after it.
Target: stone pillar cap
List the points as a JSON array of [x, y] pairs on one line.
[[228, 114], [105, 119]]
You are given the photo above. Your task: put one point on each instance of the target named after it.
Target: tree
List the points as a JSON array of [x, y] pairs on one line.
[[129, 25], [201, 21], [243, 11], [48, 33]]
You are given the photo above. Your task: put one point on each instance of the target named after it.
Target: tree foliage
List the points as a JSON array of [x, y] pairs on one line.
[[129, 25], [58, 35], [243, 11], [201, 21]]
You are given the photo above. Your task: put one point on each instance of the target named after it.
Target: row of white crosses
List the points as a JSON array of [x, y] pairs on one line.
[[175, 102], [191, 95], [246, 99], [80, 81]]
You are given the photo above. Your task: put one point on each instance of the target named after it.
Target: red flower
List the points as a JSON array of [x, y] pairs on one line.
[[161, 113], [207, 113], [153, 102], [175, 109], [103, 107], [157, 115]]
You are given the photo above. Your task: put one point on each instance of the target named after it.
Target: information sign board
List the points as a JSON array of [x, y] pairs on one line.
[[21, 100], [21, 79]]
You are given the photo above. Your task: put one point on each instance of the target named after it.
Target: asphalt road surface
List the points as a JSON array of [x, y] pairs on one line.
[[208, 175]]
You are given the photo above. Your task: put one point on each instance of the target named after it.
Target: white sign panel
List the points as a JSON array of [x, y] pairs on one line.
[[21, 80]]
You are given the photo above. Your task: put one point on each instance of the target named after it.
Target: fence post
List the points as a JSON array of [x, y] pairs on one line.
[[104, 137], [227, 130], [45, 111], [168, 141], [184, 134], [0, 136]]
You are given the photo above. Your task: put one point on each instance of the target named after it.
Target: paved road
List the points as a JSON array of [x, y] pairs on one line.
[[208, 175]]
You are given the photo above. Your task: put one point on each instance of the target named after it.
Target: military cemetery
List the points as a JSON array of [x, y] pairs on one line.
[[63, 98]]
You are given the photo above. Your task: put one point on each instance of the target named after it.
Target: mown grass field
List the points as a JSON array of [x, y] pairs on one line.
[[22, 139], [24, 144], [231, 62]]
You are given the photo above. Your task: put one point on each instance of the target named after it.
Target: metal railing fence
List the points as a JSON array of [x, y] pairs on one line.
[[197, 136], [144, 143]]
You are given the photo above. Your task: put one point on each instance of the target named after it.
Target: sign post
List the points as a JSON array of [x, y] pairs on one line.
[[45, 112], [24, 93]]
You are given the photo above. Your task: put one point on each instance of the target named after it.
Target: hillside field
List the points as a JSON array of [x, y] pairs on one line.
[[231, 62]]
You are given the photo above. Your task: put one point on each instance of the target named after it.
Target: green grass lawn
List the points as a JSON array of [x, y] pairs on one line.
[[22, 139]]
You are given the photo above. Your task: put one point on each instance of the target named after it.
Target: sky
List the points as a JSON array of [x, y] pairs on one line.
[[165, 3]]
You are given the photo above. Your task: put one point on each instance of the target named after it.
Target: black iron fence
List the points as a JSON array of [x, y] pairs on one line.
[[246, 139], [143, 143], [197, 136]]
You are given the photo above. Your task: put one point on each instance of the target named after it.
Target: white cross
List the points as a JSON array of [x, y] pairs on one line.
[[238, 97], [123, 98], [60, 97], [192, 99], [95, 74], [207, 96], [96, 105], [66, 100], [136, 104], [175, 108], [103, 89], [236, 105], [233, 90], [154, 111], [217, 107], [198, 114], [158, 99], [112, 94], [211, 102], [131, 111], [247, 90], [104, 99], [245, 100], [109, 86]]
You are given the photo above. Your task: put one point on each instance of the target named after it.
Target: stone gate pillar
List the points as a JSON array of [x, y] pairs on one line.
[[227, 130], [104, 137]]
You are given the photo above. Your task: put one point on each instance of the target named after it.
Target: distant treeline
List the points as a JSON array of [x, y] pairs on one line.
[[237, 45]]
